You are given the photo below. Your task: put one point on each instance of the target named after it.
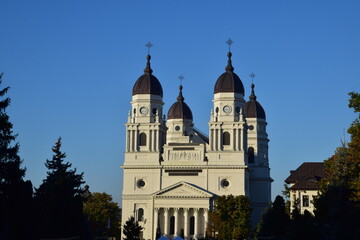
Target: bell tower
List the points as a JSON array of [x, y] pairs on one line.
[[145, 128], [227, 131], [258, 159]]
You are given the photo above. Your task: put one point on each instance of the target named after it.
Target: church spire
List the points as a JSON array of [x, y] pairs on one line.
[[252, 95], [229, 67], [148, 57], [180, 97]]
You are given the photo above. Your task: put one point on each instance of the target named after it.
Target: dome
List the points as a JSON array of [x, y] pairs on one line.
[[180, 110], [253, 108], [147, 83], [229, 81]]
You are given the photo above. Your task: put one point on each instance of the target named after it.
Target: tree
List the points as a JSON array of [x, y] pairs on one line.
[[275, 222], [59, 198], [132, 229], [103, 215], [233, 215], [338, 206], [15, 192], [286, 194]]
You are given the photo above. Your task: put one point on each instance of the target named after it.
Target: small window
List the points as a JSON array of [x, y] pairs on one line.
[[142, 139], [140, 215], [172, 225], [141, 183], [154, 110], [226, 138], [306, 201], [251, 155]]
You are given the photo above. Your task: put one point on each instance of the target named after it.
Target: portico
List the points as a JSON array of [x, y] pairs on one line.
[[181, 210]]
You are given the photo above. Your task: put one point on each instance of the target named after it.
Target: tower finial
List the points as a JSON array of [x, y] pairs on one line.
[[229, 42], [252, 75], [181, 77], [148, 57], [148, 45], [229, 67], [180, 97], [252, 96]]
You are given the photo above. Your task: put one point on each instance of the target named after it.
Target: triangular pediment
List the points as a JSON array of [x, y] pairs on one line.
[[183, 190]]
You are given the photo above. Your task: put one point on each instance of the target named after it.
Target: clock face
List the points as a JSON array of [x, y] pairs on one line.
[[227, 109], [143, 110]]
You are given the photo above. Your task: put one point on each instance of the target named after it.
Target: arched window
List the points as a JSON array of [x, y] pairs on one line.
[[140, 215], [142, 139], [226, 138], [172, 225], [251, 156], [192, 225]]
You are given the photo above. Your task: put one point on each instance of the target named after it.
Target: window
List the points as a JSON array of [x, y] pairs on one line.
[[226, 138], [172, 225], [140, 215], [192, 225], [142, 139], [251, 155], [305, 202]]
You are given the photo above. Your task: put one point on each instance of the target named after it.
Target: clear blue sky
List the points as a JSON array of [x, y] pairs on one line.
[[71, 66]]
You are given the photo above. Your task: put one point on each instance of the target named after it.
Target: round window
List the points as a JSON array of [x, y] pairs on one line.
[[177, 128], [225, 183], [141, 183]]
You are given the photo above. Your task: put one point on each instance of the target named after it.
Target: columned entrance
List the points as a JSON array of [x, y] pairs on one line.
[[189, 223]]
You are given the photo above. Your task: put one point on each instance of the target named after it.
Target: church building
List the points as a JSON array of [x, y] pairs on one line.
[[173, 173]]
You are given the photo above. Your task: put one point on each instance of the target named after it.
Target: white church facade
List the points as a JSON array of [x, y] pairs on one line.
[[173, 173]]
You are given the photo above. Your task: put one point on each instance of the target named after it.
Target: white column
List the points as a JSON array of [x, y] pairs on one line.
[[148, 140], [176, 215], [166, 221], [156, 220], [216, 140], [186, 223], [211, 139], [206, 219], [136, 141], [219, 139], [196, 215], [154, 141]]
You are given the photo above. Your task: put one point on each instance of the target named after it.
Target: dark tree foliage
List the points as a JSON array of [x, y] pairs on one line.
[[338, 206], [15, 193], [103, 215], [275, 222], [59, 198], [132, 229], [232, 215]]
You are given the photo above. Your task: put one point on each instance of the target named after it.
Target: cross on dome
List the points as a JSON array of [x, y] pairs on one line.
[[149, 45]]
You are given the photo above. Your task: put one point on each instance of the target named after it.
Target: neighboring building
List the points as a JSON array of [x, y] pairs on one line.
[[173, 172], [304, 185]]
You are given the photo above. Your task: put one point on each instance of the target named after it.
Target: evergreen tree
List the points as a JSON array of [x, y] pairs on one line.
[[275, 222], [59, 198], [132, 229], [15, 193]]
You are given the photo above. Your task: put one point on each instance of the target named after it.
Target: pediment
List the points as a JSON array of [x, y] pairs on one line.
[[183, 190]]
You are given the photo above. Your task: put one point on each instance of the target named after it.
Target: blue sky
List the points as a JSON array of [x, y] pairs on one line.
[[71, 66]]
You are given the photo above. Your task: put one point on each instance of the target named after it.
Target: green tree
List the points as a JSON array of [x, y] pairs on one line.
[[275, 222], [59, 198], [233, 214], [103, 215], [338, 206], [132, 229], [15, 192]]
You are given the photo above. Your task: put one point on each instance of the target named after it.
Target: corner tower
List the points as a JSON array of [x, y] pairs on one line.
[[227, 136], [145, 128], [258, 160]]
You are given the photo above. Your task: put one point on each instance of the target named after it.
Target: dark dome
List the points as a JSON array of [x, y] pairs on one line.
[[253, 108], [147, 83], [229, 81], [180, 110]]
